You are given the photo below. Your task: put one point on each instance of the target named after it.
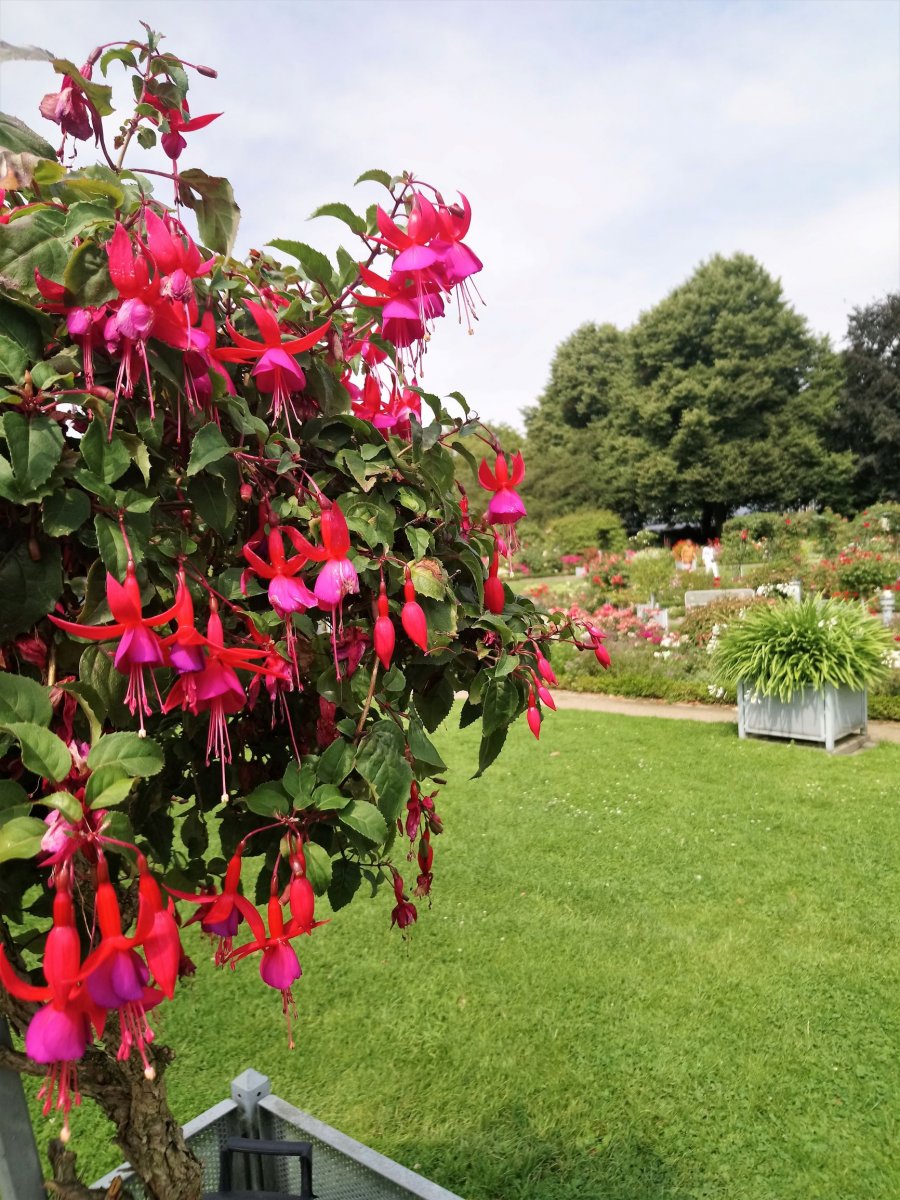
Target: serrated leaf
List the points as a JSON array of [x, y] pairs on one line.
[[103, 778], [422, 748], [117, 54], [364, 818], [33, 242], [327, 796], [218, 215], [135, 755], [13, 359], [342, 212], [299, 783], [15, 135], [315, 265], [23, 699], [207, 446], [345, 880], [336, 762], [42, 751], [376, 176], [267, 800], [501, 700], [65, 803], [35, 447], [380, 761], [114, 793], [489, 748], [21, 838], [29, 586]]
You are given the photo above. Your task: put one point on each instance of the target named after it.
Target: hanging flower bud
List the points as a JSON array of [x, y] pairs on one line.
[[385, 635], [543, 665], [534, 715], [412, 617], [494, 599]]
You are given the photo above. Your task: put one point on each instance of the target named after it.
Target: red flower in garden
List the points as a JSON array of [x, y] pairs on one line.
[[277, 372], [179, 122], [337, 577], [404, 912], [139, 647], [412, 616], [287, 594], [218, 914], [385, 636], [505, 507], [59, 1032]]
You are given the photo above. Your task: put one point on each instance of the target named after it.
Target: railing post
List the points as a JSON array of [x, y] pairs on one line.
[[21, 1177], [247, 1089]]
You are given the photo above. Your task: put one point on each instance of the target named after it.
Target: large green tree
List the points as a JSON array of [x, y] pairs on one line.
[[868, 414], [718, 396]]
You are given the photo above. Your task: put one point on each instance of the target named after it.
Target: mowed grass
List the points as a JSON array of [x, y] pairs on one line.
[[660, 964]]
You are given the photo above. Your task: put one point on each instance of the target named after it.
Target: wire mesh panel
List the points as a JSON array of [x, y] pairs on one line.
[[206, 1135], [343, 1169]]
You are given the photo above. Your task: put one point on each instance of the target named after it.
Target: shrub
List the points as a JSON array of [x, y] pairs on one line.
[[650, 572], [780, 649], [587, 529]]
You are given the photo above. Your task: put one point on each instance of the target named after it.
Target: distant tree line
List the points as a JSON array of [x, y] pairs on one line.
[[718, 397]]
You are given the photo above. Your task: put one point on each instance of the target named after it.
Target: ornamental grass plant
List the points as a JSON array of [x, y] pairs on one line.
[[780, 650]]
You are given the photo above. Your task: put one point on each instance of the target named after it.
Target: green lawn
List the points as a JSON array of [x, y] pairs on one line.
[[661, 964]]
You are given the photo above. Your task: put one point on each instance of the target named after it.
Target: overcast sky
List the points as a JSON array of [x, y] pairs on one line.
[[606, 147]]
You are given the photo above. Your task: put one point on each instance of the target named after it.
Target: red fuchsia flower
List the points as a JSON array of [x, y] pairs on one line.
[[326, 726], [300, 898], [403, 913], [413, 813], [179, 121], [216, 689], [139, 647], [185, 645], [116, 975], [597, 638], [70, 109], [405, 316], [465, 521], [546, 696], [157, 930], [412, 616], [494, 599], [385, 636], [287, 594], [505, 507], [218, 914], [277, 372], [279, 966], [533, 716], [337, 578], [59, 1032]]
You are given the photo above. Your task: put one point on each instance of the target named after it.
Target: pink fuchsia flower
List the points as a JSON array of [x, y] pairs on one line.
[[139, 647], [287, 594], [505, 507], [279, 965], [179, 121], [59, 1032], [276, 372], [70, 109], [404, 912], [337, 577], [218, 913]]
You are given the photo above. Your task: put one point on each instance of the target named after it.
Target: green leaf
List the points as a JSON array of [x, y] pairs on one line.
[[343, 213], [380, 761], [140, 455], [364, 818], [336, 762], [117, 54], [137, 755], [13, 359], [77, 187], [111, 795], [107, 685], [299, 783], [33, 242], [419, 542], [99, 94], [102, 779], [111, 545], [217, 214], [42, 751], [21, 838], [434, 701], [86, 276], [65, 803], [208, 446], [429, 578], [316, 266], [23, 699], [35, 447], [29, 587], [489, 748], [12, 795], [375, 176], [318, 867], [15, 135], [268, 799], [345, 880], [501, 701], [326, 389], [327, 796], [215, 505], [422, 749]]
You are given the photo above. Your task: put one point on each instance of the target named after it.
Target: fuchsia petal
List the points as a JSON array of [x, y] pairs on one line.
[[290, 595], [336, 580], [280, 966], [505, 507], [187, 659], [57, 1035], [138, 647], [416, 258], [276, 369]]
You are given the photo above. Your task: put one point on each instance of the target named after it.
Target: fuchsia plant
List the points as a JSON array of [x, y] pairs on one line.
[[221, 483]]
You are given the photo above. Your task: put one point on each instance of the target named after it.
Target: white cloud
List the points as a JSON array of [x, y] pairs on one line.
[[606, 148]]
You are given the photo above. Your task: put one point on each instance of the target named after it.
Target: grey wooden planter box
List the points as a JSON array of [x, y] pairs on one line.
[[343, 1169], [824, 716]]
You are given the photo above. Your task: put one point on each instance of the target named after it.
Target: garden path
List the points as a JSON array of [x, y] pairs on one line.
[[879, 731]]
